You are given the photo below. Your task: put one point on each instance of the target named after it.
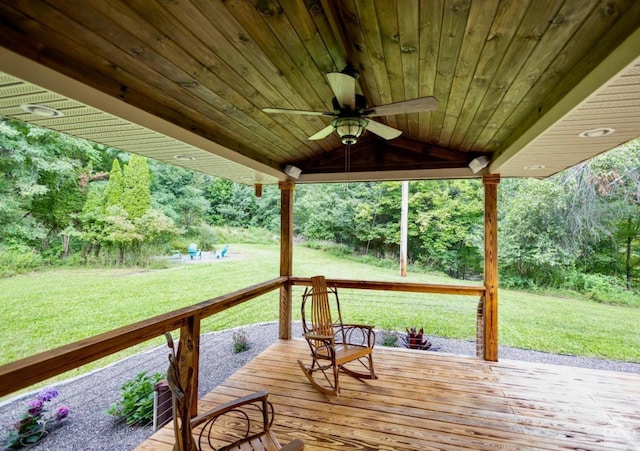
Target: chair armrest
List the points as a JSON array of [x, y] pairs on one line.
[[359, 334], [360, 326], [260, 396]]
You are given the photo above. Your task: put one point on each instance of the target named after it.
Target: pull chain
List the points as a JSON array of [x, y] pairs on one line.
[[347, 164]]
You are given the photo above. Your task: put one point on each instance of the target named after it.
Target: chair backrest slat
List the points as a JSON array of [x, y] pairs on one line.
[[320, 309]]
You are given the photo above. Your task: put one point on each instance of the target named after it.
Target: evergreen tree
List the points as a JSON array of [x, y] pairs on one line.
[[114, 191], [136, 196]]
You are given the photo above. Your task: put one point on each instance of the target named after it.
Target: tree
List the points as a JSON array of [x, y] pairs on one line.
[[41, 188], [114, 190], [446, 218], [180, 193], [136, 194]]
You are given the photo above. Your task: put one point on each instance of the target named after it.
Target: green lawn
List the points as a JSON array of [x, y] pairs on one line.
[[47, 309]]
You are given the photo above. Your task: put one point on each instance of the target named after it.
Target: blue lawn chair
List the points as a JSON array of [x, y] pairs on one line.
[[174, 255], [223, 252], [194, 252]]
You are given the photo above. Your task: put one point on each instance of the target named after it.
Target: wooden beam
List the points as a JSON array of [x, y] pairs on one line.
[[286, 255], [491, 182], [190, 357], [411, 287]]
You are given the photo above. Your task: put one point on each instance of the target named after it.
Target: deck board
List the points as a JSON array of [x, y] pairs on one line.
[[425, 400]]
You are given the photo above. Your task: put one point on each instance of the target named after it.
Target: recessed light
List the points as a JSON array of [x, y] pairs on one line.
[[596, 132], [184, 157], [247, 178], [534, 167], [41, 110]]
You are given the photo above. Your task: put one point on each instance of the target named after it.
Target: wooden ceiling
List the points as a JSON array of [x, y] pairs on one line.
[[185, 81]]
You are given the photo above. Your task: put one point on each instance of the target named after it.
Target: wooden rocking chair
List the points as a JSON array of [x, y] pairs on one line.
[[333, 344], [242, 424]]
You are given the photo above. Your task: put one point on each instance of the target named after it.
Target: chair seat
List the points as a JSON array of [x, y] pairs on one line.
[[345, 352]]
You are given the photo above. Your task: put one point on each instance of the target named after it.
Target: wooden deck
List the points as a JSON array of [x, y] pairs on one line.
[[426, 400]]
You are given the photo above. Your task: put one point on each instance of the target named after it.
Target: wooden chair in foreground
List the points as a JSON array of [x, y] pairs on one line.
[[241, 424], [333, 345]]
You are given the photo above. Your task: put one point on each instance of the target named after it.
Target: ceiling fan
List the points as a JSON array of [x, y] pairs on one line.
[[350, 110]]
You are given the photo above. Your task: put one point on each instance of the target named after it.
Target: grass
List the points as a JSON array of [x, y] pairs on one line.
[[46, 309]]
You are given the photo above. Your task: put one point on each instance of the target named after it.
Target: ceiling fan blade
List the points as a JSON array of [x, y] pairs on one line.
[[344, 88], [408, 106], [310, 113], [322, 133], [384, 131]]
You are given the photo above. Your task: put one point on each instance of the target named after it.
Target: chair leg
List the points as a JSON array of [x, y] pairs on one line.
[[310, 370], [373, 374]]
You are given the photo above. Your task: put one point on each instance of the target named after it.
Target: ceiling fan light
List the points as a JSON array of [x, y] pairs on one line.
[[349, 128]]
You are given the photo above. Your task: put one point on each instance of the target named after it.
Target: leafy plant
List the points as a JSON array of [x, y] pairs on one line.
[[34, 424], [240, 341], [389, 338], [136, 405], [416, 339]]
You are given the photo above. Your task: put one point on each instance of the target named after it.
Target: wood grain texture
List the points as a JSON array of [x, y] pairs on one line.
[[490, 312], [210, 67], [286, 256], [426, 400]]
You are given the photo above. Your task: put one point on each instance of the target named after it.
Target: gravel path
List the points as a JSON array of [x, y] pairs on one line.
[[88, 397]]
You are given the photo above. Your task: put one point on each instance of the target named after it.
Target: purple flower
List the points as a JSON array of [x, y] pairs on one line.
[[62, 413], [35, 407], [47, 394]]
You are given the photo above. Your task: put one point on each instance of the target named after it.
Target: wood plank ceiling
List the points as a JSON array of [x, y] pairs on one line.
[[185, 81]]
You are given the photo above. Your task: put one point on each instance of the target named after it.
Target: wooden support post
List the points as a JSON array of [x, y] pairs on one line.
[[286, 255], [190, 357], [491, 182]]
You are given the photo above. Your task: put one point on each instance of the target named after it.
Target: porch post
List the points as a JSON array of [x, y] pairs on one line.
[[190, 358], [490, 315], [286, 255]]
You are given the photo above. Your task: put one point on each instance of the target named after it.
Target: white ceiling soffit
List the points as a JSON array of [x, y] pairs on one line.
[[554, 142], [117, 124]]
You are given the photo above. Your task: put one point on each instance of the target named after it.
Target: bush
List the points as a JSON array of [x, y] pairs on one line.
[[18, 259], [240, 341], [136, 405], [389, 338], [608, 290]]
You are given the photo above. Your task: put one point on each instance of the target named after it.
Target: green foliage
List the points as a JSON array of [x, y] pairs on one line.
[[136, 194], [114, 190], [155, 227], [35, 423], [136, 403], [16, 259], [389, 338], [447, 217], [240, 341]]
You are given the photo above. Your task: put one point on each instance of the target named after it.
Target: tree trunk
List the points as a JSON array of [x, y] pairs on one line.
[[66, 240]]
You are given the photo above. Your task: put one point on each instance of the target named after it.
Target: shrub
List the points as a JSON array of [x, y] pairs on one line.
[[18, 259], [389, 338], [136, 405], [240, 341], [34, 424]]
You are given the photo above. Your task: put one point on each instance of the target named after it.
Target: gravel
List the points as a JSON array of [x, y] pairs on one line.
[[88, 397]]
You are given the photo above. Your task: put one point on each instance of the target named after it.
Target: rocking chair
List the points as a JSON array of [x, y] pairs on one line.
[[244, 423], [333, 344]]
